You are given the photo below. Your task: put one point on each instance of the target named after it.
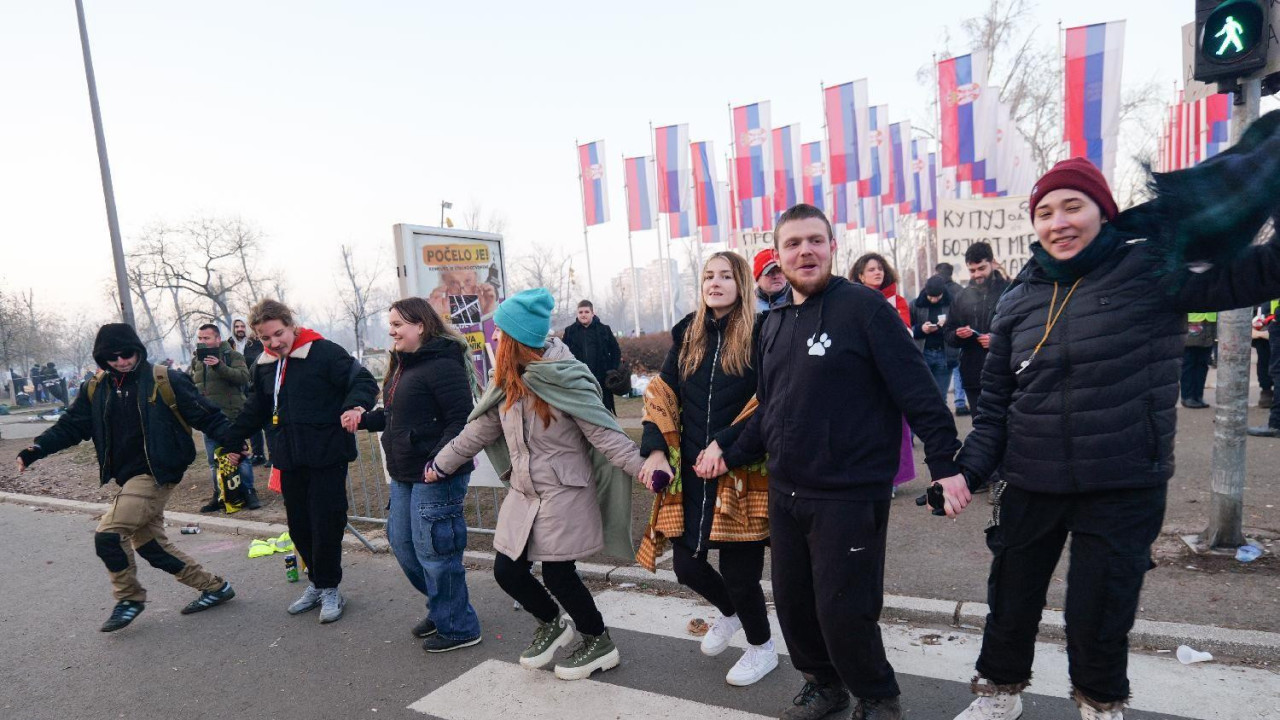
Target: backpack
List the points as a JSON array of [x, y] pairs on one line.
[[161, 386]]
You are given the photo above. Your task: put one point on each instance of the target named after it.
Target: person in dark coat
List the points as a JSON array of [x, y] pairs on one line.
[[968, 326], [708, 369], [141, 434], [593, 343], [1079, 395], [947, 272], [308, 394], [251, 347], [426, 397], [929, 314]]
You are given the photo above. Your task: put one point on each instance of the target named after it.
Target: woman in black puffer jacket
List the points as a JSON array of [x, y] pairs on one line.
[[709, 373], [427, 396], [1078, 410]]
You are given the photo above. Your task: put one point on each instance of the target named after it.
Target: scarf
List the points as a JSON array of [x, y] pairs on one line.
[[1083, 262]]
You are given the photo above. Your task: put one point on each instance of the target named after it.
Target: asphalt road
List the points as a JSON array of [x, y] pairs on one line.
[[249, 659]]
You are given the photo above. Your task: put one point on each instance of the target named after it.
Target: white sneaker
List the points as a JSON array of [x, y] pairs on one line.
[[754, 664], [1001, 706], [1089, 712], [719, 635]]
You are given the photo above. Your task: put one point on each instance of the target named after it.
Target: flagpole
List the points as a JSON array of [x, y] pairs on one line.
[[937, 197], [583, 197], [631, 251], [1062, 88], [665, 281]]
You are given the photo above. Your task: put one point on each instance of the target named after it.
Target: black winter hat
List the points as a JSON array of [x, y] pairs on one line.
[[935, 286], [114, 338]]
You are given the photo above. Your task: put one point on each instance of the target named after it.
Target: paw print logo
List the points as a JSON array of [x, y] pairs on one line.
[[818, 345]]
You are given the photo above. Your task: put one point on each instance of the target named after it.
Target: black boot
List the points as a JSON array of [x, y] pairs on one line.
[[252, 503], [882, 709], [213, 505], [816, 701]]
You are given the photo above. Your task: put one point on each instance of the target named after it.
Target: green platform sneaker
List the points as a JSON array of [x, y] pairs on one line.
[[546, 640], [597, 652]]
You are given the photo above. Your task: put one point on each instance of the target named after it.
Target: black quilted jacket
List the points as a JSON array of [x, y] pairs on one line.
[[1095, 409]]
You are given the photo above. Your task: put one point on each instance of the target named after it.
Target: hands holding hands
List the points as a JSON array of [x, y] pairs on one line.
[[711, 462], [351, 419], [657, 461]]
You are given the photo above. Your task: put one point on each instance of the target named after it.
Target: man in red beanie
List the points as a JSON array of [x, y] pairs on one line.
[[1079, 409], [772, 289]]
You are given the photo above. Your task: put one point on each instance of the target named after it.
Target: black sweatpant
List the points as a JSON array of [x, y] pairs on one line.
[[1111, 536], [315, 505], [828, 586], [735, 590], [517, 580]]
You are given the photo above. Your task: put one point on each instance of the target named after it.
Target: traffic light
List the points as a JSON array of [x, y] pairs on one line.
[[1232, 38]]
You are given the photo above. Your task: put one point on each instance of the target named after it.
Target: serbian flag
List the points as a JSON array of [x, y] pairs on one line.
[[705, 187], [1217, 134], [1092, 123], [753, 165], [903, 184], [813, 175], [595, 198], [961, 81], [869, 213], [787, 168], [919, 178], [877, 156], [669, 144], [889, 222], [642, 193]]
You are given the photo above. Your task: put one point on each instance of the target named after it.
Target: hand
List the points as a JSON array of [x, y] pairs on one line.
[[955, 493], [711, 462], [929, 328], [212, 360], [233, 458], [430, 474], [965, 332], [26, 457], [351, 419], [985, 340], [657, 460]]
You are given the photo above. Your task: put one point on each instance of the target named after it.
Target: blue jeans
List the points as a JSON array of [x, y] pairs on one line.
[[428, 532], [937, 362], [961, 398], [246, 466]]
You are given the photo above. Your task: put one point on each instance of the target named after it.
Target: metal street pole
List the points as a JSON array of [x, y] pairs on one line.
[[1226, 510], [108, 191]]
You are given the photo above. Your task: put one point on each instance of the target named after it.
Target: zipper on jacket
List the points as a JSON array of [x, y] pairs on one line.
[[143, 420], [702, 516]]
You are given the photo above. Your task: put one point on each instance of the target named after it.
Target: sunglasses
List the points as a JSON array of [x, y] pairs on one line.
[[122, 355]]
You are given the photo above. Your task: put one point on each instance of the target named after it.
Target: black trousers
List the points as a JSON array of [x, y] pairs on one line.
[[828, 585], [258, 444], [735, 590], [1111, 536], [1264, 363], [315, 505], [517, 580], [972, 393], [1274, 419], [1195, 371]]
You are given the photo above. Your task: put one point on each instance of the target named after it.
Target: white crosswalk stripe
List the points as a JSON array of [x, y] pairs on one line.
[[499, 690]]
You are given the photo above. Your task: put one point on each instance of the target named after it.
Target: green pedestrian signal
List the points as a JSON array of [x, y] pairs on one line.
[[1233, 38]]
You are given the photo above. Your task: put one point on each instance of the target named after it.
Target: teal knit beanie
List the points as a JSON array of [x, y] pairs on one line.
[[526, 317]]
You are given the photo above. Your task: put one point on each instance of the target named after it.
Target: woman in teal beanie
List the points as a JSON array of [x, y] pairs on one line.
[[547, 431]]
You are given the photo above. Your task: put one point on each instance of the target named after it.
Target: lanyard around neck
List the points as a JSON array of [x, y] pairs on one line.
[[275, 397]]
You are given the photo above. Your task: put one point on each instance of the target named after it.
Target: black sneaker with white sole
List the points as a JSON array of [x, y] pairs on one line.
[[424, 629], [123, 614], [438, 644], [210, 598]]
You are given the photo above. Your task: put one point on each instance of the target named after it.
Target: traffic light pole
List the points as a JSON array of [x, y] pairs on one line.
[[1226, 513]]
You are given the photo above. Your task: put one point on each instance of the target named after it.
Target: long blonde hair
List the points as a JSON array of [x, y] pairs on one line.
[[735, 354]]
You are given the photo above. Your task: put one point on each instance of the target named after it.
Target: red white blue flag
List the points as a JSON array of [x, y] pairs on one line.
[[846, 109], [931, 207], [1091, 127], [705, 188], [642, 193], [670, 143], [961, 83], [920, 179], [814, 175], [903, 183], [787, 168], [877, 156], [595, 197], [753, 165], [1217, 124]]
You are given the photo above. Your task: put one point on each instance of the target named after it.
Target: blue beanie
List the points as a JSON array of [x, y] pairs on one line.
[[526, 317]]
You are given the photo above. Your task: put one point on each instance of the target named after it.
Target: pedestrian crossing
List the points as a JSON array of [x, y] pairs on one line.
[[500, 690]]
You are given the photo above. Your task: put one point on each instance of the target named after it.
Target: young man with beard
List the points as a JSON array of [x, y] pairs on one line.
[[969, 326], [836, 374], [138, 417]]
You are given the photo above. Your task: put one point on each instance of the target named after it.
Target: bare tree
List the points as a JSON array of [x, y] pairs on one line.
[[550, 268], [474, 217], [361, 294]]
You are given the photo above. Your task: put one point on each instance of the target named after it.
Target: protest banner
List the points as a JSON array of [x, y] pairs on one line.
[[1004, 222]]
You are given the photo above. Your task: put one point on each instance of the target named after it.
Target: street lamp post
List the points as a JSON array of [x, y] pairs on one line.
[[444, 205]]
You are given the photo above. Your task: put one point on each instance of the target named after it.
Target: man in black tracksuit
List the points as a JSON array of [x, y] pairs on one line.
[[137, 428], [837, 371], [969, 326], [593, 343]]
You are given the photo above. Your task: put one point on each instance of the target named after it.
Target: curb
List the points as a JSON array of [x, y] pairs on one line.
[[1254, 645]]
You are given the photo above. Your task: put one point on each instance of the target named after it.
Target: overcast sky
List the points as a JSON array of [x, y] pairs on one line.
[[327, 122]]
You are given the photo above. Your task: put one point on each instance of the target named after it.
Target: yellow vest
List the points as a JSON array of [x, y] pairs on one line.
[[1202, 317]]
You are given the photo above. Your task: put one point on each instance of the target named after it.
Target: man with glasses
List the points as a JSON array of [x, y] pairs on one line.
[[139, 418]]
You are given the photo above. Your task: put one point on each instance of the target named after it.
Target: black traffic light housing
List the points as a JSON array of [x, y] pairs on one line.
[[1232, 39]]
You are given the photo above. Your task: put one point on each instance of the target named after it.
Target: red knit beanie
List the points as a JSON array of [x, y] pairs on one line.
[[765, 261], [1076, 174]]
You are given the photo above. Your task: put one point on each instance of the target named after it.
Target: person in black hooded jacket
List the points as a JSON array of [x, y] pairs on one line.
[[1079, 391], [929, 314], [427, 397], [708, 370], [592, 342], [143, 444]]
